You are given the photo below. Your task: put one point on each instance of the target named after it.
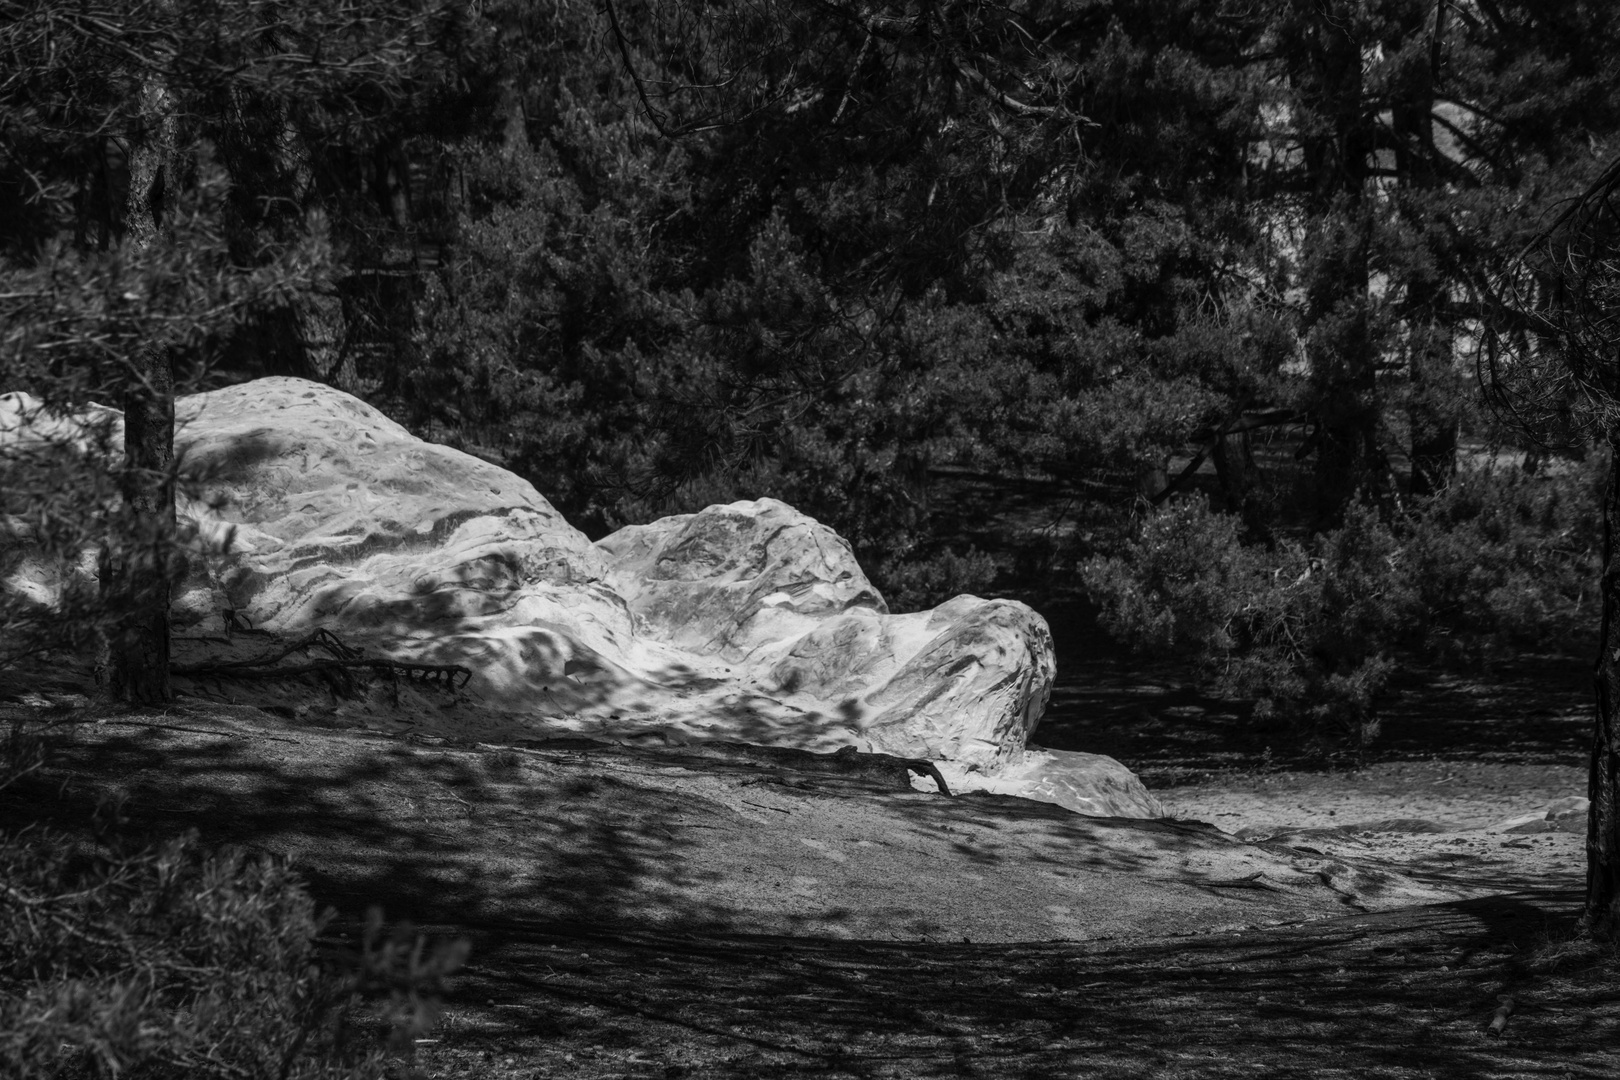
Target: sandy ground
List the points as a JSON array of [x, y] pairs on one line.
[[1461, 754], [1436, 821]]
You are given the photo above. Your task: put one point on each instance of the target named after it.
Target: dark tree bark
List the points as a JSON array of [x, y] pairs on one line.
[[1602, 914], [137, 569], [1328, 82], [136, 563], [1432, 408], [1234, 467]]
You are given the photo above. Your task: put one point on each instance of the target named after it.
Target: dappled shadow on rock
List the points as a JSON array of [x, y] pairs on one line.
[[425, 832], [700, 837]]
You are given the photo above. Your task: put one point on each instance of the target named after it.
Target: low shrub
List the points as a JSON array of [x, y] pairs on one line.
[[1503, 560], [1312, 630], [172, 961], [919, 583], [1253, 619]]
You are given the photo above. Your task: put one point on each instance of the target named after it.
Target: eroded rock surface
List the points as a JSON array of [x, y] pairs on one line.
[[779, 598], [748, 621]]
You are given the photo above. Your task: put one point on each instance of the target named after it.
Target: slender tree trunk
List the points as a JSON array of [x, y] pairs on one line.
[[1602, 913], [1432, 407], [139, 563], [136, 565], [1432, 410], [1344, 386], [1328, 79]]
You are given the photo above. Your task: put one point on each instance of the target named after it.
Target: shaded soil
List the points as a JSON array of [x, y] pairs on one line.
[[657, 912], [1460, 752], [1533, 711], [1400, 994]]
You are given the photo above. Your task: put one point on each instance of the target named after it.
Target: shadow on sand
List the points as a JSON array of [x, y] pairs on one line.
[[1401, 994], [605, 964]]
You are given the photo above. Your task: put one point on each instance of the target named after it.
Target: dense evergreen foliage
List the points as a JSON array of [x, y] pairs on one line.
[[1494, 564], [655, 255]]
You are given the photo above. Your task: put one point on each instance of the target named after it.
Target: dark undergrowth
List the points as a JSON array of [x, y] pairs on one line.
[[1399, 995], [164, 958], [1304, 644], [1533, 709]]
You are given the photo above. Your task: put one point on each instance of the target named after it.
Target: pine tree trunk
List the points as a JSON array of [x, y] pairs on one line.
[[1432, 411], [1234, 467], [1602, 915], [136, 563], [1328, 81], [137, 576], [1432, 408], [1343, 382]]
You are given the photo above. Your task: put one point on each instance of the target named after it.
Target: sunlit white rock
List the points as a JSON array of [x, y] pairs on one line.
[[308, 509]]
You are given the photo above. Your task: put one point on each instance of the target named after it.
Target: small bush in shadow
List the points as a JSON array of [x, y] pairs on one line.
[[922, 582], [173, 961], [1504, 560], [1311, 629], [1256, 620]]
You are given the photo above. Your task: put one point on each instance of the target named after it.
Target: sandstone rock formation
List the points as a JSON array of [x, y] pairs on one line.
[[749, 622]]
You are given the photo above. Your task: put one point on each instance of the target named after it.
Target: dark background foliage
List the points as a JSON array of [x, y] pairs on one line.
[[652, 256]]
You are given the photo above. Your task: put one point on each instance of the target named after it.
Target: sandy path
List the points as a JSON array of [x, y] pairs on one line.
[[1438, 820]]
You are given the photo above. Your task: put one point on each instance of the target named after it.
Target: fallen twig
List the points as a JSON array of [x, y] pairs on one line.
[[447, 673], [323, 639], [1500, 1019]]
